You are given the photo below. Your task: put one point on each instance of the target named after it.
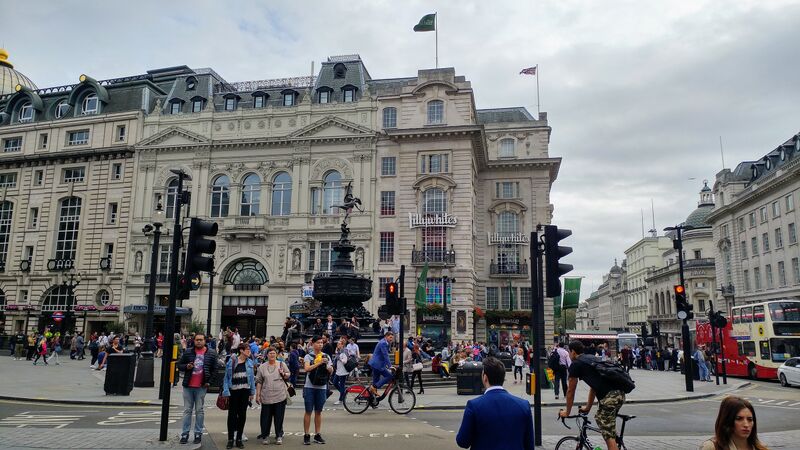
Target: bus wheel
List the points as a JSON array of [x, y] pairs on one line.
[[751, 372]]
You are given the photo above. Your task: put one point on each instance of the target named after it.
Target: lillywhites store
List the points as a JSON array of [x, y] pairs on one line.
[[502, 331]]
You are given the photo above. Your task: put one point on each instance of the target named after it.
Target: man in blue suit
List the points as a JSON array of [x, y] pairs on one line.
[[496, 420], [380, 363]]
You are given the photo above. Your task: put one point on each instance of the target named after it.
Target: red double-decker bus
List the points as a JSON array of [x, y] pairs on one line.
[[757, 339]]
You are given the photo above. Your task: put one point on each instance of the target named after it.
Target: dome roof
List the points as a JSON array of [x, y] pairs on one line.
[[10, 78], [698, 217]]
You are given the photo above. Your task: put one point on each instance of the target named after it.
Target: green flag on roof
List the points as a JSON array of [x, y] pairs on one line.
[[427, 23], [421, 296]]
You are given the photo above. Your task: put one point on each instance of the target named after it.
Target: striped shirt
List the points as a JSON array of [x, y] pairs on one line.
[[239, 379]]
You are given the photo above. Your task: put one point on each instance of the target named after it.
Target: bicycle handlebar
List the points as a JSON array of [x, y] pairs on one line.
[[563, 420]]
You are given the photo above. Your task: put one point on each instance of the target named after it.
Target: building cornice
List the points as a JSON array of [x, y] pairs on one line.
[[89, 154]]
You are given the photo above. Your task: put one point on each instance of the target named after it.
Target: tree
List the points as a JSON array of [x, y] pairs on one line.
[[566, 321]]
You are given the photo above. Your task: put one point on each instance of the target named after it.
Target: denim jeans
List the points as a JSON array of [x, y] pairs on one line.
[[340, 382], [193, 399], [703, 369]]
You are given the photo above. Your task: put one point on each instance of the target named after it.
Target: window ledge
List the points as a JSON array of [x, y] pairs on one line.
[[388, 216], [435, 125], [389, 176]]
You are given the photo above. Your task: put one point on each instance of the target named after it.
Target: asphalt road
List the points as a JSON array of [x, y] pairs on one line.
[[778, 409]]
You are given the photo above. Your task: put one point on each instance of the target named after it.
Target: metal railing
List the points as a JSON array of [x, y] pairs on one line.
[[160, 278], [444, 257], [508, 269]]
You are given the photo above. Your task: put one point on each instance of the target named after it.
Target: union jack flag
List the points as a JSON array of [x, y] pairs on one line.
[[528, 71]]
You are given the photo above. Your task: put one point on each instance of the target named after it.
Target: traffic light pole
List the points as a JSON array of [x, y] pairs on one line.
[[687, 344], [210, 298], [169, 337], [401, 345], [151, 293], [538, 300]]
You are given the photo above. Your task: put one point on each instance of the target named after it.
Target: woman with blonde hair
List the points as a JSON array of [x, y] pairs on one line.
[[735, 428]]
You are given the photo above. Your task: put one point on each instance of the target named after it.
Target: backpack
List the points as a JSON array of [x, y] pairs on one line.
[[611, 373], [351, 364], [554, 360]]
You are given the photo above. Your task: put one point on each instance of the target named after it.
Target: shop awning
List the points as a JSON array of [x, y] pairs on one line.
[[158, 310]]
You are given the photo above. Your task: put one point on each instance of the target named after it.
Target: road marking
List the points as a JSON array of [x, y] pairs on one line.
[[134, 417], [27, 419], [780, 403]]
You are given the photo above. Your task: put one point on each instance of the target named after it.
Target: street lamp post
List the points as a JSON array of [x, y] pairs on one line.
[[151, 294]]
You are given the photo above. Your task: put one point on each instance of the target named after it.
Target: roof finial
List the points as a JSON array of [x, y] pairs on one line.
[[4, 58]]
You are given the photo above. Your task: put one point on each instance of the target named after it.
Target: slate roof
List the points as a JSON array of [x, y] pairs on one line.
[[771, 162], [504, 115]]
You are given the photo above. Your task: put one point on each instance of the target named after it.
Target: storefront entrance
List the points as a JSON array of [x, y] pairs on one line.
[[502, 331], [250, 320]]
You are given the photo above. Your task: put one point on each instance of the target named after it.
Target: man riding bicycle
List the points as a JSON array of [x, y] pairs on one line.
[[381, 364], [610, 398]]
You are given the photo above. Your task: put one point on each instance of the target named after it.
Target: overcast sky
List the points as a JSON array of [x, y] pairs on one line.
[[638, 93]]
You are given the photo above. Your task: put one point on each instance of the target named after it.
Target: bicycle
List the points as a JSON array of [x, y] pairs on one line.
[[581, 442], [358, 398]]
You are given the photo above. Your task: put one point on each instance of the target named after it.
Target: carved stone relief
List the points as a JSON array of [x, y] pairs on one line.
[[277, 123], [217, 127], [261, 124], [296, 255], [231, 126], [247, 125], [292, 122]]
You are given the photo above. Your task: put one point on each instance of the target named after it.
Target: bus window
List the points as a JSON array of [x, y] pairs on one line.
[[764, 347], [784, 311], [783, 349], [749, 348], [737, 315], [747, 314], [741, 350], [758, 313]]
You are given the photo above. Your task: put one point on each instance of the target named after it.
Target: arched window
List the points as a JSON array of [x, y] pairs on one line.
[[103, 298], [389, 117], [507, 222], [435, 112], [191, 83], [25, 113], [251, 195], [6, 216], [247, 272], [61, 109], [339, 71], [507, 149], [434, 201], [220, 196], [59, 298], [333, 192], [282, 195], [91, 105], [172, 198], [69, 220]]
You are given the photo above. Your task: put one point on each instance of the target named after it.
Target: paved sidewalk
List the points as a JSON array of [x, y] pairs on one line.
[[28, 438], [74, 382], [774, 441]]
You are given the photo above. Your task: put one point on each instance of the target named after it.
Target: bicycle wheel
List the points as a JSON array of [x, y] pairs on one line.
[[571, 443], [355, 399], [407, 404]]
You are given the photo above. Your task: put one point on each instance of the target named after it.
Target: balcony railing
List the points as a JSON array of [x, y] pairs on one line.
[[160, 278], [57, 265], [435, 257], [508, 269], [246, 287]]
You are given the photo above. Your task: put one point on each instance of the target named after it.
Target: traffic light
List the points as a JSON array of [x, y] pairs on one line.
[[717, 319], [684, 307], [393, 304], [552, 254], [197, 246]]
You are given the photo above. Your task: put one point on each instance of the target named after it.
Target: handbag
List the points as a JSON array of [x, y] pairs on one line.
[[289, 388], [223, 402], [416, 367]]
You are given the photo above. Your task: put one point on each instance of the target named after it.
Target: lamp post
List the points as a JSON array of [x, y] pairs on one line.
[[155, 228], [446, 316]]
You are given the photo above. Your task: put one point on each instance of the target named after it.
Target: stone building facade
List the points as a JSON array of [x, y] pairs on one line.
[[644, 255]]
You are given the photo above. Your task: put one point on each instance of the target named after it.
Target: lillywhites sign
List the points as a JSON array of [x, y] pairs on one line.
[[509, 321], [416, 220], [245, 311], [507, 238]]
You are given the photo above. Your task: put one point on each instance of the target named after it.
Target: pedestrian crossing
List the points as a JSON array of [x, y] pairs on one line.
[[30, 419]]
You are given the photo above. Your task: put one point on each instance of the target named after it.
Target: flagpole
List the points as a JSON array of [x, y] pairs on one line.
[[436, 33], [538, 107]]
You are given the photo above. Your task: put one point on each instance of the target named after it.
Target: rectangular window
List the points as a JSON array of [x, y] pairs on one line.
[[316, 198], [743, 245], [505, 298], [164, 256], [13, 144], [778, 238], [28, 254], [175, 107], [324, 97], [436, 163], [701, 306], [326, 256], [796, 270], [740, 223], [43, 141], [765, 242], [507, 189], [108, 250], [38, 177], [754, 245], [288, 99], [525, 298], [491, 298], [34, 218], [768, 272], [349, 96], [121, 133], [116, 171], [388, 166], [776, 209], [792, 233], [757, 278], [78, 137], [434, 288], [387, 247], [746, 275], [230, 104], [24, 296], [197, 106], [697, 254], [789, 202], [312, 255], [387, 203], [8, 180], [781, 273], [258, 101], [762, 214], [749, 348], [112, 213], [764, 349], [752, 219], [725, 230], [390, 118], [74, 175]]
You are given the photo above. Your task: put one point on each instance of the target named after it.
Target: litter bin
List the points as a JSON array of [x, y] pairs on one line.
[[144, 370], [468, 379], [507, 360], [120, 368]]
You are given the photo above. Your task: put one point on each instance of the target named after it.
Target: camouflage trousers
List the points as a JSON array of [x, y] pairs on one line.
[[607, 410]]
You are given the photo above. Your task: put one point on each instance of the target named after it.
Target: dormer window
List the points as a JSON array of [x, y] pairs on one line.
[[91, 105], [191, 83], [324, 97], [197, 104], [175, 107], [768, 163], [61, 109], [349, 95], [26, 113], [783, 154], [230, 103], [259, 100], [339, 71], [289, 97]]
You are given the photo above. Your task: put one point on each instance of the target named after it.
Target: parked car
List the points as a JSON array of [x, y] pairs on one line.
[[789, 372]]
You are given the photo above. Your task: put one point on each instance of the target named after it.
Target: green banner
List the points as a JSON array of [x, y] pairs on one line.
[[510, 296], [421, 296], [572, 292], [556, 307], [427, 23]]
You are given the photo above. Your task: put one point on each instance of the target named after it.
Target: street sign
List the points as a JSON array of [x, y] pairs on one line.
[[308, 291], [58, 316]]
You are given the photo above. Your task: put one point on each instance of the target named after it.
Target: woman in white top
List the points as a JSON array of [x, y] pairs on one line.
[[519, 363]]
